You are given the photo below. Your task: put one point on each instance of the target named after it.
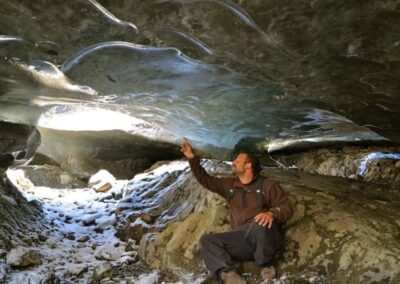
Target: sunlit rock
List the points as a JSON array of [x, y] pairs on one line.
[[21, 257], [101, 181]]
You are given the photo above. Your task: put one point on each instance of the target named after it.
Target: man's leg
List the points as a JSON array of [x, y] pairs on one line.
[[264, 243], [220, 249]]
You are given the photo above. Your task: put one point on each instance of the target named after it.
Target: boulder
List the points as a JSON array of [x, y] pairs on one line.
[[22, 257]]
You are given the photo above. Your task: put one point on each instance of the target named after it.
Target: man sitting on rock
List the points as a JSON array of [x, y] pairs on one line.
[[256, 206]]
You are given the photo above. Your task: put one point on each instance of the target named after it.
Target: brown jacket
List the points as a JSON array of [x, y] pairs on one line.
[[243, 212]]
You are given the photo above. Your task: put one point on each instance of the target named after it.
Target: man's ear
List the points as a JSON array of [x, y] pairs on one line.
[[248, 165]]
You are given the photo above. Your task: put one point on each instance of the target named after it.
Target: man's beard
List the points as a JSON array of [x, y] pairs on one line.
[[236, 172]]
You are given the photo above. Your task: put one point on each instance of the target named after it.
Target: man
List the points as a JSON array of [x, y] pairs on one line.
[[256, 206]]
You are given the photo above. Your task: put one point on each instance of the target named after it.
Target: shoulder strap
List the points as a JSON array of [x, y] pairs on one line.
[[257, 187], [231, 192], [259, 190]]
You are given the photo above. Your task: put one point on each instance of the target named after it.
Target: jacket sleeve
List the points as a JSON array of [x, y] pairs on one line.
[[215, 184], [278, 201]]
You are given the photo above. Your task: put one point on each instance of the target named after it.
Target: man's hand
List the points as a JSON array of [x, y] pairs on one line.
[[265, 219], [187, 149]]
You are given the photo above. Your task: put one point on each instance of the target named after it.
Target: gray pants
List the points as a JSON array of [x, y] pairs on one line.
[[248, 242]]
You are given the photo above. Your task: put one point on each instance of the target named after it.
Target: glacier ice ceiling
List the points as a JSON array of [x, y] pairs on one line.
[[216, 71]]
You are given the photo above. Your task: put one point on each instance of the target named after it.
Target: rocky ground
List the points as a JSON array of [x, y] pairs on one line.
[[76, 242], [57, 228]]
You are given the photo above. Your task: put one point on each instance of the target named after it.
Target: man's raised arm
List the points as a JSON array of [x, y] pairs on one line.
[[212, 183]]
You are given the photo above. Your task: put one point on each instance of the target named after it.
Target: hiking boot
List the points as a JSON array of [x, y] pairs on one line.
[[268, 273], [231, 277]]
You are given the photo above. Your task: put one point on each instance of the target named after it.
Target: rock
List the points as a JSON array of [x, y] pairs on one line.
[[132, 257], [3, 253], [42, 238], [105, 222], [22, 257], [50, 176], [69, 235], [30, 277], [309, 242], [101, 177], [50, 278], [83, 239], [3, 271], [107, 252], [137, 229], [101, 271], [8, 199], [76, 269], [90, 219], [102, 187], [374, 164], [149, 219], [383, 170], [131, 245]]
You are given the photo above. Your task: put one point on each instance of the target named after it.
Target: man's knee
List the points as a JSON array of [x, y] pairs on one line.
[[257, 231]]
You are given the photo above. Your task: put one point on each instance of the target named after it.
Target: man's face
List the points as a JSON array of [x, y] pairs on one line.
[[240, 164]]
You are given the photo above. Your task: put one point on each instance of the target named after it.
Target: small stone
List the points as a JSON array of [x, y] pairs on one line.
[[83, 239], [102, 187], [91, 218], [69, 236], [42, 238]]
